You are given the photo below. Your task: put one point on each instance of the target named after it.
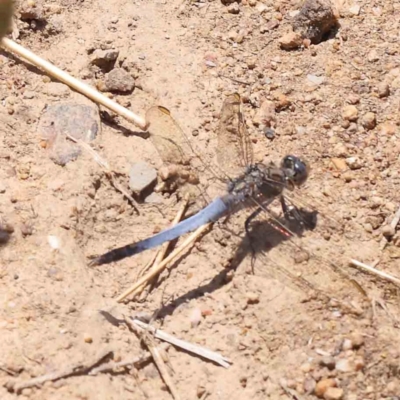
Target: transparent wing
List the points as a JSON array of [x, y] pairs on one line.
[[173, 145], [315, 258], [167, 136], [234, 150]]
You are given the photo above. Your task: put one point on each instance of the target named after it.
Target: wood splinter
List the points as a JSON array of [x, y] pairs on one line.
[[160, 267], [182, 344], [149, 341], [72, 370], [376, 272], [74, 83]]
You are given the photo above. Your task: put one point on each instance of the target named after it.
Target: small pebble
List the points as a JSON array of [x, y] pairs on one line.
[[26, 229], [273, 24], [357, 340], [353, 99], [328, 362], [343, 365], [29, 95], [104, 58], [206, 311], [315, 80], [333, 394], [350, 113], [383, 89], [251, 63], [234, 8], [306, 367], [323, 385], [300, 130], [291, 41], [269, 133], [87, 338], [195, 317], [309, 385], [388, 231], [141, 177], [359, 363], [4, 235], [118, 80], [282, 101], [376, 202], [265, 114], [355, 10], [373, 56], [339, 163], [353, 163], [53, 242], [200, 391], [368, 228], [375, 221], [368, 120], [30, 10], [352, 128], [252, 298], [347, 176], [387, 129], [301, 256], [347, 345]]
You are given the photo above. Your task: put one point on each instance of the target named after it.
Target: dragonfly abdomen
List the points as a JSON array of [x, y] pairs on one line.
[[214, 211]]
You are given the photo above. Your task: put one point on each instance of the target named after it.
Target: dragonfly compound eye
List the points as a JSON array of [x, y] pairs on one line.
[[296, 169]]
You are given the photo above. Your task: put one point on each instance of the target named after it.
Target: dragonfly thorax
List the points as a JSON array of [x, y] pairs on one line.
[[259, 179]]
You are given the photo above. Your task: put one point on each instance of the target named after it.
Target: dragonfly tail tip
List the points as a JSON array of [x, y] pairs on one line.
[[95, 262]]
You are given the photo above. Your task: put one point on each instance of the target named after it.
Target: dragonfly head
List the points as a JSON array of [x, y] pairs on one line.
[[296, 170]]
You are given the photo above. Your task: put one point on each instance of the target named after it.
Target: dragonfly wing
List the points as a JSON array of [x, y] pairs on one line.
[[234, 151], [298, 247], [167, 136]]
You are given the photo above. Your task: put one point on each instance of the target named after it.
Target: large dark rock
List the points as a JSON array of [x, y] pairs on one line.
[[316, 20]]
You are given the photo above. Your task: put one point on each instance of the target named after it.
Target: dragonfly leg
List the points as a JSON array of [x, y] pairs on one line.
[[291, 212], [253, 215]]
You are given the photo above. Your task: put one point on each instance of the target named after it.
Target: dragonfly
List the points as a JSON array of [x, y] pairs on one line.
[[253, 185]]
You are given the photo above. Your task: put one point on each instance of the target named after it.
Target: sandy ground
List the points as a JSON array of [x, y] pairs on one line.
[[297, 326]]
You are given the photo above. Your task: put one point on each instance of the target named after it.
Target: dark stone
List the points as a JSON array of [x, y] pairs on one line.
[[315, 21], [80, 121]]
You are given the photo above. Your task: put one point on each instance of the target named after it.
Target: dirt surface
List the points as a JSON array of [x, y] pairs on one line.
[[303, 323]]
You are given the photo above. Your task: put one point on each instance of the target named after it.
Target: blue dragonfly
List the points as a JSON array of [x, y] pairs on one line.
[[249, 184]]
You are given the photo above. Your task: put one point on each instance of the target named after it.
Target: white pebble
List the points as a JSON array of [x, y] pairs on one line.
[[315, 80], [53, 242], [195, 317]]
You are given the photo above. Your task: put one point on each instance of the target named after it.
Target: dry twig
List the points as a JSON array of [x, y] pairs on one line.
[[189, 347], [160, 267], [163, 250], [106, 168], [376, 272], [77, 369], [76, 84], [148, 340], [122, 364], [134, 362]]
